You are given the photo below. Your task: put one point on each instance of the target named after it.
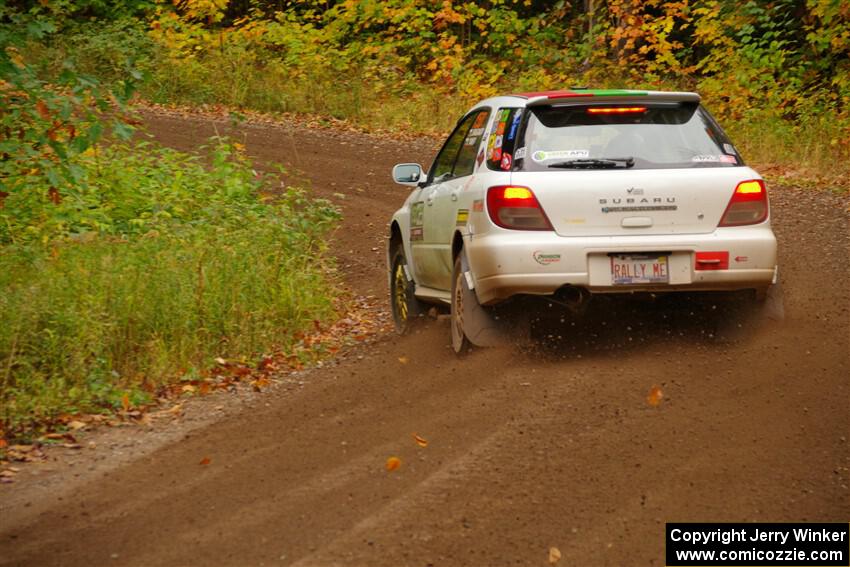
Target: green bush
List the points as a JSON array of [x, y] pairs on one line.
[[158, 266]]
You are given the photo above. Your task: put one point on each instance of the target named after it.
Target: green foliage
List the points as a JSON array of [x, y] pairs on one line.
[[45, 126], [159, 266]]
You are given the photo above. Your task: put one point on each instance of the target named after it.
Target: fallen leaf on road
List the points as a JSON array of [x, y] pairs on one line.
[[188, 388], [266, 364], [403, 359], [3, 443], [393, 463], [655, 396], [554, 555], [24, 453], [125, 402], [67, 437], [422, 442], [7, 473], [75, 425], [205, 461]]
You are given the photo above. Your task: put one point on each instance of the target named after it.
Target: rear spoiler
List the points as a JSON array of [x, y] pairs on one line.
[[569, 98]]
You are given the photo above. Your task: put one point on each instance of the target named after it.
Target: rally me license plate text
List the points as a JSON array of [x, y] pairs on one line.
[[633, 269]]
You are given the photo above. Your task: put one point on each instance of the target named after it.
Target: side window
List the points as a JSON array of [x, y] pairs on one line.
[[444, 165], [469, 151], [500, 144]]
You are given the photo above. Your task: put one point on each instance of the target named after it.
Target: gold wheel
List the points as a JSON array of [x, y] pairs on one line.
[[403, 303], [460, 344], [400, 293], [458, 312]]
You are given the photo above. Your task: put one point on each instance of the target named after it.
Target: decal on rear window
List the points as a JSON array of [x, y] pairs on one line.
[[543, 155], [506, 161], [514, 126]]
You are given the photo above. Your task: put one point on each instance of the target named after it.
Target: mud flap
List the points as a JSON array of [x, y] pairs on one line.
[[480, 324], [774, 304]]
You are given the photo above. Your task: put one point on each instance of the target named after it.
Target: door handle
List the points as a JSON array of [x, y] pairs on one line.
[[454, 196]]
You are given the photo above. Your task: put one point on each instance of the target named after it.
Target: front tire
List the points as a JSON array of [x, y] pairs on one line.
[[405, 308]]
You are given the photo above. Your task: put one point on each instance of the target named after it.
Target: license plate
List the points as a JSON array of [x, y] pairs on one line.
[[631, 269]]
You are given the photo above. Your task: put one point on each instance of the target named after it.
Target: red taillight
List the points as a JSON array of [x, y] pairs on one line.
[[748, 204], [516, 207], [616, 110]]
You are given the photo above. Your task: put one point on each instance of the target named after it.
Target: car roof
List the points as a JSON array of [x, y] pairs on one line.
[[537, 98]]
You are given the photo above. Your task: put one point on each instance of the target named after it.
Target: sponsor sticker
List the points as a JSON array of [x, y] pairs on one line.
[[480, 119], [480, 159], [478, 206], [476, 132], [514, 126], [500, 129], [543, 155], [520, 153], [417, 211], [728, 159], [730, 149], [705, 158], [545, 258], [415, 233], [506, 161], [462, 217], [498, 141], [497, 154]]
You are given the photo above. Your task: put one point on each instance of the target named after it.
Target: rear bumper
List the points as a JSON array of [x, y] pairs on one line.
[[508, 263]]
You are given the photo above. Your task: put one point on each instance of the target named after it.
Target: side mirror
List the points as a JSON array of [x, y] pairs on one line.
[[409, 174]]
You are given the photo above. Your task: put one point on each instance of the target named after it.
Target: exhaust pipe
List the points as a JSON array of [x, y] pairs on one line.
[[572, 297]]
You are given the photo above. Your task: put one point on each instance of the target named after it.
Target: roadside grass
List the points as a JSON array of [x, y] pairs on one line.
[[159, 266]]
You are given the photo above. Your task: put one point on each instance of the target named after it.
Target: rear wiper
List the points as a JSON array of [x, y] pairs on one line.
[[595, 163]]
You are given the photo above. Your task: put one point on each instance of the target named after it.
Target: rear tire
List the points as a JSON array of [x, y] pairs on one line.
[[460, 294], [405, 308]]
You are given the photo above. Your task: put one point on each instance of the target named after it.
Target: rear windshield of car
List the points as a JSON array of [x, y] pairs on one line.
[[642, 136]]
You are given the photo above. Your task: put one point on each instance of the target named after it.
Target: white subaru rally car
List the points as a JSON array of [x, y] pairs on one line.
[[568, 194]]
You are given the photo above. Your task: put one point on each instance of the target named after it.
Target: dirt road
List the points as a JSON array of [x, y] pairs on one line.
[[527, 449]]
